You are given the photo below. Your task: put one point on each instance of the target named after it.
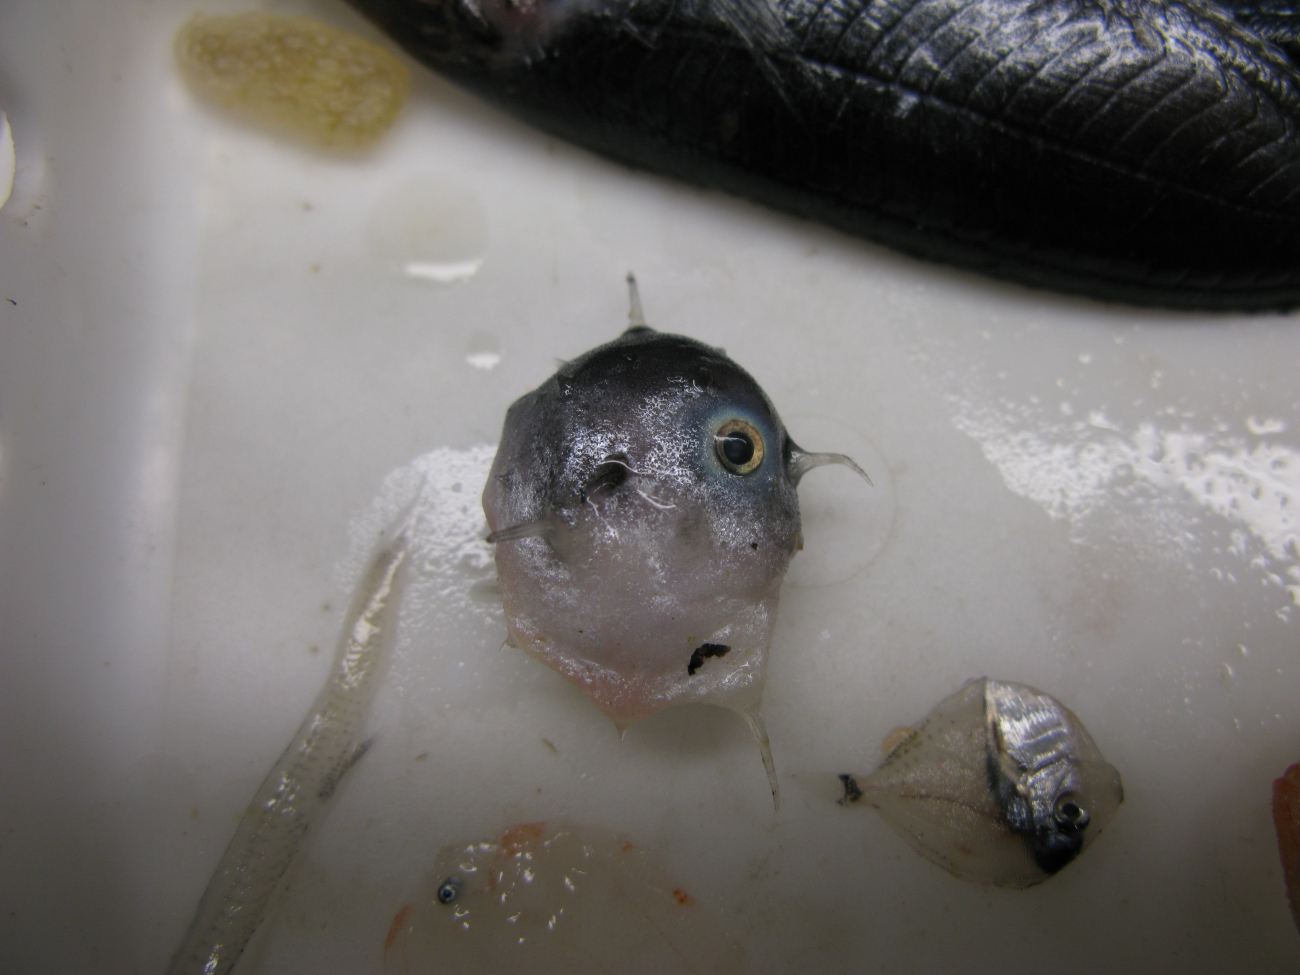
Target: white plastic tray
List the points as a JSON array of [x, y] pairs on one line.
[[216, 381]]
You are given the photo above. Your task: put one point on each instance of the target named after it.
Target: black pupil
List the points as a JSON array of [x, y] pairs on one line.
[[447, 892], [1070, 813], [738, 448]]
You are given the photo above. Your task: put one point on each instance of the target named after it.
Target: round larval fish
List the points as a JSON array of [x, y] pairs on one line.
[[1000, 784], [556, 898], [644, 511]]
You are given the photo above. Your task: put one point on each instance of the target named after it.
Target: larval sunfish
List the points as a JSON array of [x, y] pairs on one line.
[[1000, 784], [546, 898], [644, 511]]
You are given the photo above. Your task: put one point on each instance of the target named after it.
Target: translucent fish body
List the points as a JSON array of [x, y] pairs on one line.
[[644, 511], [554, 897], [1000, 784]]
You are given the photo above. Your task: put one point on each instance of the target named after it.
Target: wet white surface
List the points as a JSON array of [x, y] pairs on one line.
[[219, 376]]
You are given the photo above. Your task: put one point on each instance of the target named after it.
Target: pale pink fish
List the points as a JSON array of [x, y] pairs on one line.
[[556, 899], [644, 508]]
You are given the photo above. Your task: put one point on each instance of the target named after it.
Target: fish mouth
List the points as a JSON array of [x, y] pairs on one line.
[[1054, 849]]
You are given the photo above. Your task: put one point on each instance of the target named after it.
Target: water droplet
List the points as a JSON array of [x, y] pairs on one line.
[[430, 228], [1267, 425], [483, 351]]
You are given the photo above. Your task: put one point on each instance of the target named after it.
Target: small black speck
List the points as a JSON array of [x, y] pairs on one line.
[[852, 792], [754, 546], [705, 650]]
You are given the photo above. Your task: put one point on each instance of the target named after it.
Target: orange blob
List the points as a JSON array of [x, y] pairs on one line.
[[395, 928]]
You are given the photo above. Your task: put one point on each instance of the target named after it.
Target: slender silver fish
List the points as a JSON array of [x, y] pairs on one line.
[[295, 794], [1000, 784]]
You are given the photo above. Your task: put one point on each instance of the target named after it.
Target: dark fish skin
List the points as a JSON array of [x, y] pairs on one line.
[[1277, 21], [1132, 150]]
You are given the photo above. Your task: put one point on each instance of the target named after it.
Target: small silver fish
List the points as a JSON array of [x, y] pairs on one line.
[[1000, 784], [644, 511]]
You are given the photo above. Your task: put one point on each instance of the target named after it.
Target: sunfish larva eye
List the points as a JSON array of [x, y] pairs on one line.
[[740, 446], [448, 890]]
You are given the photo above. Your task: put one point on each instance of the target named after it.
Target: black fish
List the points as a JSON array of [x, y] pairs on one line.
[[1140, 150]]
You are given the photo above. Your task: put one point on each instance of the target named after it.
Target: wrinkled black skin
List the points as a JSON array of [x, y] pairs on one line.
[[1277, 21], [1127, 150], [1136, 150]]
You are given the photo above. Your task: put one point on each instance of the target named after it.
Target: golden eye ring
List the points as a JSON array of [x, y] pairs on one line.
[[739, 446]]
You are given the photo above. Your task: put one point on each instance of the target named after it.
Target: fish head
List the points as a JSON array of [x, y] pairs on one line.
[[1071, 814], [1054, 788], [644, 505]]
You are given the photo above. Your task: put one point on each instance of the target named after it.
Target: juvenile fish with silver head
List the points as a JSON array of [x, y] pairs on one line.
[[1000, 784]]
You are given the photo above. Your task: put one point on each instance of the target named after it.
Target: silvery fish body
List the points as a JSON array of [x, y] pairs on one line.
[[1001, 784], [294, 797], [644, 509]]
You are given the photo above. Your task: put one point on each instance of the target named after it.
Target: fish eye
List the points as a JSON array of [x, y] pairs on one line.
[[1070, 814], [449, 890], [739, 445]]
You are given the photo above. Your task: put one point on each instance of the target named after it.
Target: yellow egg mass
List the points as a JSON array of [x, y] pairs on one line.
[[295, 75]]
